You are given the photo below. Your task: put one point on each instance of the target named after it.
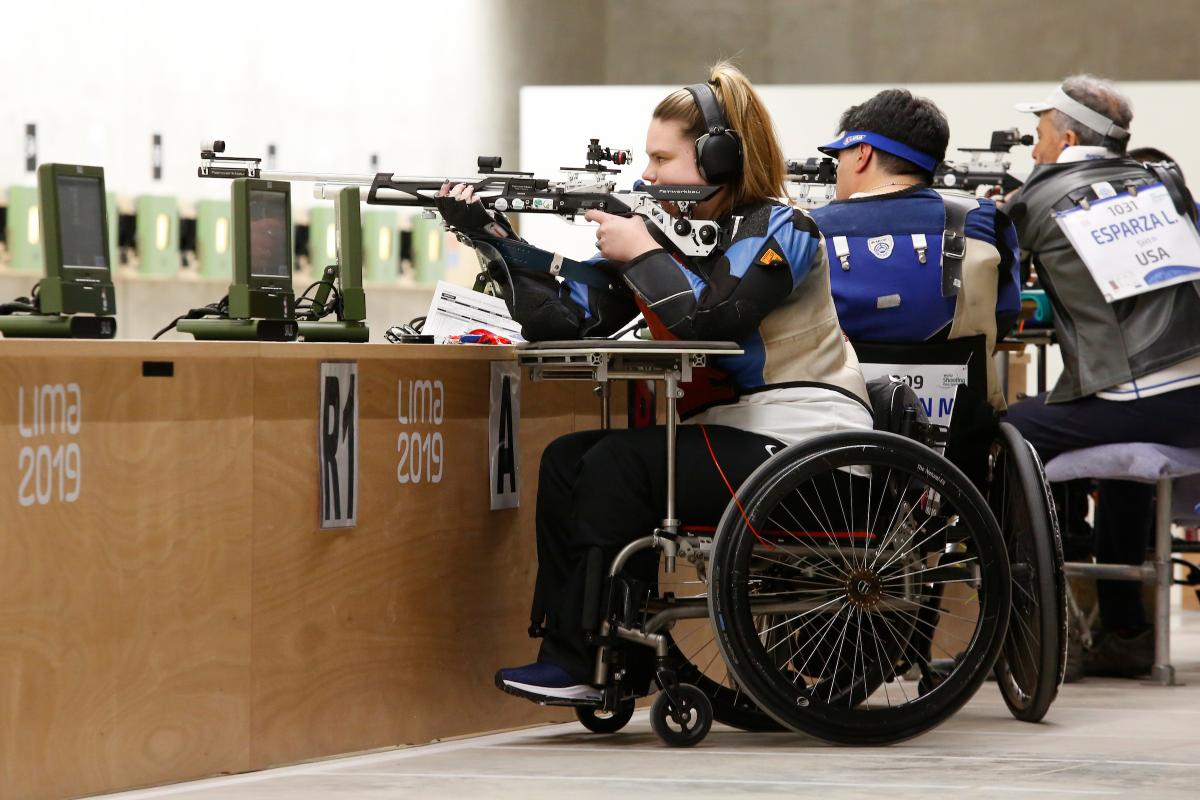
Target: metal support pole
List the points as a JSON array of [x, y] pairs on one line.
[[1163, 673], [1146, 573], [1041, 368], [1002, 355], [671, 523]]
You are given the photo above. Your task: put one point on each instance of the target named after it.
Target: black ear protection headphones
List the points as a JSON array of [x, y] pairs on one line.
[[719, 149]]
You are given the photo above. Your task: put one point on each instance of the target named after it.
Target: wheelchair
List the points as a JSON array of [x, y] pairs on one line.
[[1033, 661], [1006, 469], [857, 589]]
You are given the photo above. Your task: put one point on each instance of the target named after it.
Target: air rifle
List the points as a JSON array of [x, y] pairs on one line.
[[811, 181], [985, 168], [586, 188]]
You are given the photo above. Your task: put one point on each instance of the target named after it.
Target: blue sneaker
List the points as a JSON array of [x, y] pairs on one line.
[[545, 683]]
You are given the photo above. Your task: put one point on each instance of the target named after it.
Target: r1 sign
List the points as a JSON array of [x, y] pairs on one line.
[[337, 445]]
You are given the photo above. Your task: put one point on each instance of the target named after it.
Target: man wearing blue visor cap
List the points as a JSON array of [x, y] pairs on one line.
[[1131, 367], [903, 152], [911, 265]]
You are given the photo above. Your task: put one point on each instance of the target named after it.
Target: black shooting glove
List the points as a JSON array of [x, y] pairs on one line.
[[472, 218]]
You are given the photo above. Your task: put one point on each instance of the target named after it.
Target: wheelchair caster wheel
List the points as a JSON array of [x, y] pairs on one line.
[[686, 725], [599, 721]]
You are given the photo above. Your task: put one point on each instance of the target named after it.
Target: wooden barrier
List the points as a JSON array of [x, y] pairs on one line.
[[169, 605]]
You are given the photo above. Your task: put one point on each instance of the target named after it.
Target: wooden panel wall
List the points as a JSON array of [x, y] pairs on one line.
[[186, 616], [389, 633], [124, 615]]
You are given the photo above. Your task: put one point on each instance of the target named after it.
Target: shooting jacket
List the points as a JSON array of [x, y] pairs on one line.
[[1103, 344], [887, 281], [766, 287]]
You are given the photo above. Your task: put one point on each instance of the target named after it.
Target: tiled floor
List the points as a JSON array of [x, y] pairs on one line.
[[1101, 738]]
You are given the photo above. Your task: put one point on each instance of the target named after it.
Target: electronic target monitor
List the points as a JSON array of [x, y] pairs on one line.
[[262, 250], [75, 233]]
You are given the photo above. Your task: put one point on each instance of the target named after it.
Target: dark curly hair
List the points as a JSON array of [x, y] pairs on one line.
[[914, 121]]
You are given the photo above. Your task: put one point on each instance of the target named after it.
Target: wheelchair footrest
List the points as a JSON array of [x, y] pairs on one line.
[[564, 702], [598, 704]]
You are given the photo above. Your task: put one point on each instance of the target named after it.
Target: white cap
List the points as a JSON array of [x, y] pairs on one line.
[[1059, 100]]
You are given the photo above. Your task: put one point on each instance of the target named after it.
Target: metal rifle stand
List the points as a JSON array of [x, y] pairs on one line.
[[602, 361]]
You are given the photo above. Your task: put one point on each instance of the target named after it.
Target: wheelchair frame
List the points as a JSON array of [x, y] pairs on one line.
[[601, 363], [672, 364]]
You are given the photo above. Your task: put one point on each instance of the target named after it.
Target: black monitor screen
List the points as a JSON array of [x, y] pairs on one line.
[[81, 222], [269, 255]]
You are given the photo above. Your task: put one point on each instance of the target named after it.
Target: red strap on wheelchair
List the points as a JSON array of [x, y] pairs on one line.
[[732, 493]]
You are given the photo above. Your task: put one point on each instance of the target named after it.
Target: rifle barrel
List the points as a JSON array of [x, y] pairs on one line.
[[317, 177]]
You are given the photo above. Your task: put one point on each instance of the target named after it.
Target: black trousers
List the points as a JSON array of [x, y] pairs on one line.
[[603, 489], [1125, 510]]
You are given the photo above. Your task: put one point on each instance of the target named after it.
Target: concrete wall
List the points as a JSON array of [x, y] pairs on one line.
[[899, 41]]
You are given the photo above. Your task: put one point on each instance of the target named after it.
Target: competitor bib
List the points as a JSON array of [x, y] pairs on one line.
[[934, 384], [1132, 244]]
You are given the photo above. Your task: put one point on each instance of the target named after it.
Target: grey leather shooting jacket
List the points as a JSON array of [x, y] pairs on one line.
[[1103, 344]]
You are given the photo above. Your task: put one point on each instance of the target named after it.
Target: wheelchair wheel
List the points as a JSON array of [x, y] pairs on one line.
[[598, 721], [1033, 660], [698, 659], [683, 723], [859, 589]]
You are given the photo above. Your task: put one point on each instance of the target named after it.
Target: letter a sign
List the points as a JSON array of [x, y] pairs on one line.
[[337, 445], [503, 430]]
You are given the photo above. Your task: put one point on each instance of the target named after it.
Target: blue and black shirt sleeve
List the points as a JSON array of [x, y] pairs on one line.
[[603, 311], [726, 295]]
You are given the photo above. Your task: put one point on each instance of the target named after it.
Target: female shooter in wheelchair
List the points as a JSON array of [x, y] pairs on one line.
[[837, 562], [766, 287]]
